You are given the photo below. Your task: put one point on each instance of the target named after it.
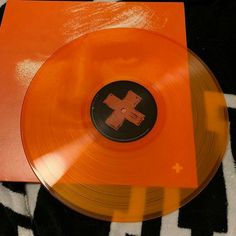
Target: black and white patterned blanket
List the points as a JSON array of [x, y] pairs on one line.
[[28, 209]]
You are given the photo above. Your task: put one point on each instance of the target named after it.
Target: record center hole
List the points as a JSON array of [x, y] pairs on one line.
[[123, 110]]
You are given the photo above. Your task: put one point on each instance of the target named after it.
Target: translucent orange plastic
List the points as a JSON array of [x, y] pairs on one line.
[[129, 181]]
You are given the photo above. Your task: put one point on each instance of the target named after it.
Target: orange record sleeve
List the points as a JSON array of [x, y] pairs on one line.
[[32, 31]]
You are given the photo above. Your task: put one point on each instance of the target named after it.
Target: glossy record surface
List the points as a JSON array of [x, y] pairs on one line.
[[132, 181]]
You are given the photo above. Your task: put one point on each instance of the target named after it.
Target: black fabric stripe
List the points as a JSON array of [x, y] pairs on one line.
[[151, 227], [232, 119], [2, 9], [15, 187], [53, 218], [206, 232], [211, 33], [7, 225], [13, 219], [207, 213]]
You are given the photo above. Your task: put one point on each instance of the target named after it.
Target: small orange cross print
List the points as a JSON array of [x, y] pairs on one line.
[[177, 167]]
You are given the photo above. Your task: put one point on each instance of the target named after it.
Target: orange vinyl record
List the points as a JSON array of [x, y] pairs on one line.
[[124, 125]]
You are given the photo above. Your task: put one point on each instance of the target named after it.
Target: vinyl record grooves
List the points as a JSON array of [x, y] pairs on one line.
[[124, 125]]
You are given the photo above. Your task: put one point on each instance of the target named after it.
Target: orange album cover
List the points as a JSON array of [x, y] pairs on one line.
[[32, 31]]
